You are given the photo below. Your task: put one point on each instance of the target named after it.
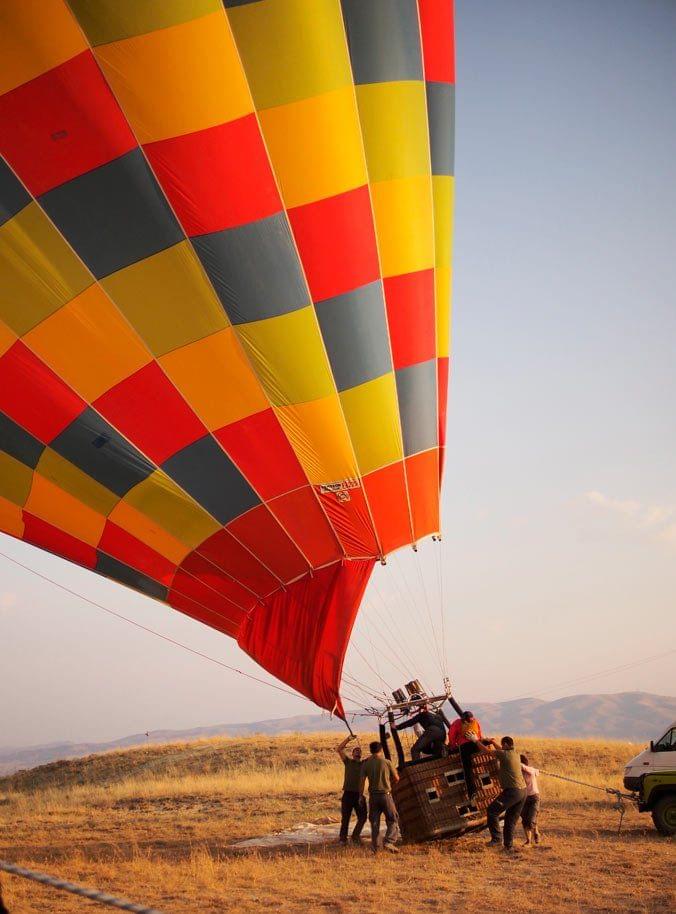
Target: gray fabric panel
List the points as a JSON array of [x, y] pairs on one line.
[[441, 115], [417, 390], [96, 448], [206, 473], [118, 571], [18, 443], [114, 215], [13, 195], [384, 40], [354, 329], [254, 269]]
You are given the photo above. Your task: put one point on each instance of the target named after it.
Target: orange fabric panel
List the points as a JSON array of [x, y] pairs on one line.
[[386, 493], [11, 518], [61, 510], [422, 471]]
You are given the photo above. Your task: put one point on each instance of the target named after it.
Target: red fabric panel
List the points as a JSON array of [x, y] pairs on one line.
[[62, 124], [300, 635], [422, 472], [40, 533], [260, 448], [352, 522], [386, 492], [438, 39], [337, 242], [228, 623], [442, 374], [411, 317], [215, 578], [225, 552], [261, 533], [35, 397], [131, 551], [189, 587], [148, 410], [301, 516], [216, 178]]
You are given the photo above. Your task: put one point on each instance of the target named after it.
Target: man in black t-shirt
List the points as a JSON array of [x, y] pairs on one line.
[[353, 799]]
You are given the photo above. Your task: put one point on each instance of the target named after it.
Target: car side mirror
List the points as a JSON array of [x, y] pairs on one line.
[[652, 746]]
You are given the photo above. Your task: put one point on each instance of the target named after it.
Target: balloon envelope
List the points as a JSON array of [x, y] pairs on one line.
[[225, 261]]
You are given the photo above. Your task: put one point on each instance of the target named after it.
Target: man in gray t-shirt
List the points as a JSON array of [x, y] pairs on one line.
[[513, 795], [353, 799], [381, 775]]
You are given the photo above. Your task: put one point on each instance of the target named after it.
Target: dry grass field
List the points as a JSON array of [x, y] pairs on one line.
[[155, 824]]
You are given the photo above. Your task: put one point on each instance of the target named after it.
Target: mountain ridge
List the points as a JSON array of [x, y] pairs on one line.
[[635, 716]]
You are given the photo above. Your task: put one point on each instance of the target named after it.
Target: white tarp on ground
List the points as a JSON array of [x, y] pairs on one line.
[[323, 831]]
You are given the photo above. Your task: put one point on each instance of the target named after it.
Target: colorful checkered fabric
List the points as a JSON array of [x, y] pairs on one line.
[[225, 270]]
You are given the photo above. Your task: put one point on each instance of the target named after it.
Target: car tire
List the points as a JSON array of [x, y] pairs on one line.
[[664, 815]]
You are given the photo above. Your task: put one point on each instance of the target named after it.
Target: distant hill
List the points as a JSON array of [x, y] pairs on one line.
[[634, 716]]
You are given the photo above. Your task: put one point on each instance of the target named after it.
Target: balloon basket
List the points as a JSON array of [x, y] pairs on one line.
[[432, 800]]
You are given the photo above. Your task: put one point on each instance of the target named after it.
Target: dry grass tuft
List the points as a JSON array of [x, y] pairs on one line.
[[155, 824]]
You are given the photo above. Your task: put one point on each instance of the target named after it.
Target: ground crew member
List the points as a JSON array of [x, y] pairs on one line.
[[513, 795], [529, 813], [381, 774], [433, 737], [353, 799], [465, 735]]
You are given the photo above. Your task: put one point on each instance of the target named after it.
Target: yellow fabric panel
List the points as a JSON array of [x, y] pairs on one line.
[[64, 511], [291, 49], [372, 415], [288, 356], [442, 188], [319, 437], [178, 80], [7, 338], [443, 277], [68, 477], [403, 214], [15, 479], [148, 532], [11, 518], [216, 378], [111, 20], [39, 272], [394, 125], [89, 344], [164, 502], [315, 146], [35, 36], [167, 299]]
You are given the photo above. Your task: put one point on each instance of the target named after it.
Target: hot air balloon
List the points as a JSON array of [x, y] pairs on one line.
[[225, 270]]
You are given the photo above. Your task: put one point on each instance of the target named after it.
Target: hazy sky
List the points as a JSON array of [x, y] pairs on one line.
[[559, 557]]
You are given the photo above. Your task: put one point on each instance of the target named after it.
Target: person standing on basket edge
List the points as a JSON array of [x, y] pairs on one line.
[[513, 795], [465, 736], [353, 799], [381, 775]]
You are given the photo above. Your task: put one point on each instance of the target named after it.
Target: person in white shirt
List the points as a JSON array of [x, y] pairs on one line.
[[529, 813]]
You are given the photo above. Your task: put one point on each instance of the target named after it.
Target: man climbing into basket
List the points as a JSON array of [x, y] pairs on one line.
[[465, 736], [433, 737]]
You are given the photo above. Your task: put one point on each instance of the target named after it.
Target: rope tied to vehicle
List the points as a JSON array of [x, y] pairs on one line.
[[620, 797], [63, 885]]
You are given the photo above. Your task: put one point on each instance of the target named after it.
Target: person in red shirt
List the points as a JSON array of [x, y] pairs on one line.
[[465, 735]]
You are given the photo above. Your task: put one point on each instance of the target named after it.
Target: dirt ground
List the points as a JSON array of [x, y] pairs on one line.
[[156, 825]]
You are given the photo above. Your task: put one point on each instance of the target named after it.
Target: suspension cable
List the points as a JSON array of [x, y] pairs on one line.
[[152, 631], [411, 654]]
